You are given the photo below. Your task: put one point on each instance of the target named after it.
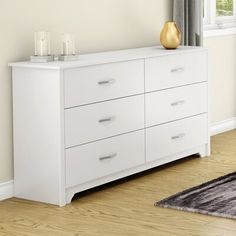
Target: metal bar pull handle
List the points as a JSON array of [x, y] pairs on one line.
[[108, 157], [108, 119], [179, 136], [106, 82], [178, 103], [176, 70]]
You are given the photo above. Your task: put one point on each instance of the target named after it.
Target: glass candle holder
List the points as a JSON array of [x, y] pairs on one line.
[[68, 45], [42, 43]]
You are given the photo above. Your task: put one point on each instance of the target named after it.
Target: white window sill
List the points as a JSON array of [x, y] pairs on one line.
[[217, 32]]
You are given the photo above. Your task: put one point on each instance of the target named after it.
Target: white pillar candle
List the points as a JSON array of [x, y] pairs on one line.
[[68, 45], [42, 47]]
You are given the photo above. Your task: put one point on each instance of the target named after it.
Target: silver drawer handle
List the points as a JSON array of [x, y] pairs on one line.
[[107, 157], [108, 119], [104, 82], [181, 102], [175, 70], [179, 136]]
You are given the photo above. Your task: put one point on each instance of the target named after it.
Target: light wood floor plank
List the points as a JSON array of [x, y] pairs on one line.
[[126, 208]]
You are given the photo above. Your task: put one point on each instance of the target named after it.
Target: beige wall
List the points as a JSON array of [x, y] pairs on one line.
[[222, 77], [98, 25]]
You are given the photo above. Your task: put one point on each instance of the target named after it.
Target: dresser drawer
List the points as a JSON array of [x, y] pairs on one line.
[[105, 157], [175, 70], [97, 121], [103, 82], [172, 104], [174, 137]]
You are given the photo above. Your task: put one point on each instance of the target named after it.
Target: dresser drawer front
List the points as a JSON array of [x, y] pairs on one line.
[[174, 137], [175, 70], [172, 104], [97, 121], [103, 82], [105, 157]]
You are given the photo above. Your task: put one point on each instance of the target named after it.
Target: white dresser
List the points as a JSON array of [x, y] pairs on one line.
[[81, 124]]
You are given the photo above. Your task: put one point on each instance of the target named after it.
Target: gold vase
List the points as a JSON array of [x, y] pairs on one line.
[[170, 35]]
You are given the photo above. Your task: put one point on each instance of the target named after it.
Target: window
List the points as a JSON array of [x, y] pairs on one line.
[[219, 14], [224, 8]]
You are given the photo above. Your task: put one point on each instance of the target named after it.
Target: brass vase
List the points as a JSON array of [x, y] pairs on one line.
[[170, 35]]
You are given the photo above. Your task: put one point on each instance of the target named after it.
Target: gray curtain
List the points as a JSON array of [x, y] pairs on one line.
[[189, 17]]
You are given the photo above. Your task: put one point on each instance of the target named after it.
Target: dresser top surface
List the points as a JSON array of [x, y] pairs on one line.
[[108, 57]]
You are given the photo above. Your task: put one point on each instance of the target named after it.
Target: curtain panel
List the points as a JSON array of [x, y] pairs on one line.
[[189, 17]]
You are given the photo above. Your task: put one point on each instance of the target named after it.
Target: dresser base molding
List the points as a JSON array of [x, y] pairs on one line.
[[7, 189], [202, 151]]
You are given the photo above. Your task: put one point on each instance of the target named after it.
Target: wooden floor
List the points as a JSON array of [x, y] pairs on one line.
[[126, 207]]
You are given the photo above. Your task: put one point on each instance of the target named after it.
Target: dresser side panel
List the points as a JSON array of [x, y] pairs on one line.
[[38, 135]]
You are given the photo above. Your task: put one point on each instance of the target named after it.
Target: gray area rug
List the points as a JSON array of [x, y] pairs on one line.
[[216, 197]]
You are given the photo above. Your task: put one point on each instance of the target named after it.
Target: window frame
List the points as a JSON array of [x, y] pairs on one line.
[[211, 21]]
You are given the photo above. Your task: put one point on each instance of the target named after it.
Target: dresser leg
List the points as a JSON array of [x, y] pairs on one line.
[[205, 151], [69, 196]]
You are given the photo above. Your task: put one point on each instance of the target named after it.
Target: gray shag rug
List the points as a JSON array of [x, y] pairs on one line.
[[216, 198]]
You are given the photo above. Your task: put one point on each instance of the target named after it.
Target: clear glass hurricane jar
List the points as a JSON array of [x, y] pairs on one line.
[[42, 43]]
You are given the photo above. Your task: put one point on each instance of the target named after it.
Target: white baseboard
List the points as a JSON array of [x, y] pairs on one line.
[[6, 190], [223, 126]]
